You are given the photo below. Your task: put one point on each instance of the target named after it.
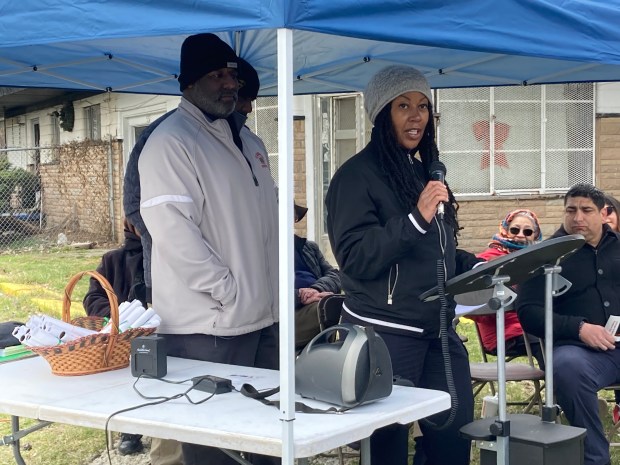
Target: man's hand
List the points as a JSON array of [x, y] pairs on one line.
[[597, 337], [307, 295]]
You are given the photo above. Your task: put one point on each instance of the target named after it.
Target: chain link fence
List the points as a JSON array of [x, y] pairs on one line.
[[59, 195]]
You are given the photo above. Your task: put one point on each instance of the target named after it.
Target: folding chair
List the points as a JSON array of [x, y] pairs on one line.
[[485, 372], [614, 429]]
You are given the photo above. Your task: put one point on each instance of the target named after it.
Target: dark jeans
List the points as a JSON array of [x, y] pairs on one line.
[[421, 361], [258, 349], [579, 373]]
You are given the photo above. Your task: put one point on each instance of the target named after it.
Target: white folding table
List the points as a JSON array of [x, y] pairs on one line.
[[228, 421]]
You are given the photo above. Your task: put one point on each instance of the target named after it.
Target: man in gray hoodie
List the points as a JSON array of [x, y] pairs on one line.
[[210, 207]]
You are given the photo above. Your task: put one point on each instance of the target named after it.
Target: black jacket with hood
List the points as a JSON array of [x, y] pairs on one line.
[[388, 256]]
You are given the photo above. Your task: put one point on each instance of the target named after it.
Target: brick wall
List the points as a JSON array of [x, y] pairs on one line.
[[608, 154], [299, 167], [76, 191]]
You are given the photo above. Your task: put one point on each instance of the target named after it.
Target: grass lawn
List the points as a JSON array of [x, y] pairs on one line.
[[32, 281], [28, 282]]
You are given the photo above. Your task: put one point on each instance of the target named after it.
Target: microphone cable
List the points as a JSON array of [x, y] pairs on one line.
[[443, 333]]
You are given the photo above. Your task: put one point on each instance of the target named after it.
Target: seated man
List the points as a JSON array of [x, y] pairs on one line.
[[584, 355], [124, 270], [314, 279]]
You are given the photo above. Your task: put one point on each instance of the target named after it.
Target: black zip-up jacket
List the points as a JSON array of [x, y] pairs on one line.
[[593, 296], [387, 255], [124, 270]]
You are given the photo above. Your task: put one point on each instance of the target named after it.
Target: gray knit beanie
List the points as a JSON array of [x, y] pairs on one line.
[[389, 83]]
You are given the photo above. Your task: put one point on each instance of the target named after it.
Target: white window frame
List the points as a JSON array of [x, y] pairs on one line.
[[92, 121]]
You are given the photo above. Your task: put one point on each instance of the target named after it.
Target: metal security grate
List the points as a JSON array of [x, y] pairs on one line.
[[517, 139]]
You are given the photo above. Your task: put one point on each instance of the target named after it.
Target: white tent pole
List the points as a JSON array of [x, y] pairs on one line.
[[285, 215]]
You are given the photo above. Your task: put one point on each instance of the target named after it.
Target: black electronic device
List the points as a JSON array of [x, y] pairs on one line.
[[212, 384], [518, 266], [149, 356], [438, 173]]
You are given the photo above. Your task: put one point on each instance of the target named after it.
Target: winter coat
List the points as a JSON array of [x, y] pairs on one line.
[[594, 294], [212, 214], [388, 256], [131, 195], [124, 270]]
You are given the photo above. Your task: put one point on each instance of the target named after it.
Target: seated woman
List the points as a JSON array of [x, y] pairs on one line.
[[519, 229], [612, 205]]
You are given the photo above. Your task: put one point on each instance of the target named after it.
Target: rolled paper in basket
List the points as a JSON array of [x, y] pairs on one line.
[[127, 316], [40, 338], [55, 327], [154, 322], [126, 307], [35, 321], [68, 336], [132, 313], [20, 333], [146, 316]]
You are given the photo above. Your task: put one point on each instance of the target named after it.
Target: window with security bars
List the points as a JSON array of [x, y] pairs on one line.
[[92, 116], [263, 121], [504, 140]]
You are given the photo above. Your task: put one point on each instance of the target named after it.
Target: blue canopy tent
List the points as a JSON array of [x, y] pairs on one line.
[[302, 47], [133, 46]]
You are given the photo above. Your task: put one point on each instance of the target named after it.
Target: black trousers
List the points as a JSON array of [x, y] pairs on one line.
[[421, 362], [258, 349]]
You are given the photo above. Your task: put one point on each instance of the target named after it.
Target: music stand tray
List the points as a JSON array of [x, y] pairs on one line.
[[519, 266]]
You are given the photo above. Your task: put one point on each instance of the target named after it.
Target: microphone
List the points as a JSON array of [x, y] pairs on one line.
[[438, 173]]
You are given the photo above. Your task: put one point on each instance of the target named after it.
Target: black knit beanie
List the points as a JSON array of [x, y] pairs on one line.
[[249, 84], [201, 54]]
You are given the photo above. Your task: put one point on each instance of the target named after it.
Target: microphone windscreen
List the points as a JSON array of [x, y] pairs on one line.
[[438, 171]]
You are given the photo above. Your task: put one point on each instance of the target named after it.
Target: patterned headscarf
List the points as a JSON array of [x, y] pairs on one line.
[[502, 240]]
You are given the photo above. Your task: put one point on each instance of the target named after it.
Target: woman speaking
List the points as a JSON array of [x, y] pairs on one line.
[[391, 245]]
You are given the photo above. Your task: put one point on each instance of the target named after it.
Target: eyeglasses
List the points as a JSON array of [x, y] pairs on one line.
[[610, 209], [527, 232]]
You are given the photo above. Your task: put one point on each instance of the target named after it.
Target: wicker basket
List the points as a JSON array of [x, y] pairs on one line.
[[96, 353]]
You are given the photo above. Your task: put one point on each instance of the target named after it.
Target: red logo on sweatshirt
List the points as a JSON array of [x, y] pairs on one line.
[[261, 159]]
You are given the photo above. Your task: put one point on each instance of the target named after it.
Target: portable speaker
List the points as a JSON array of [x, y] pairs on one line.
[[345, 365], [149, 356]]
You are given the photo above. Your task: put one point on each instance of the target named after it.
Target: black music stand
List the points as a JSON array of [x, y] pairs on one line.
[[515, 268]]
